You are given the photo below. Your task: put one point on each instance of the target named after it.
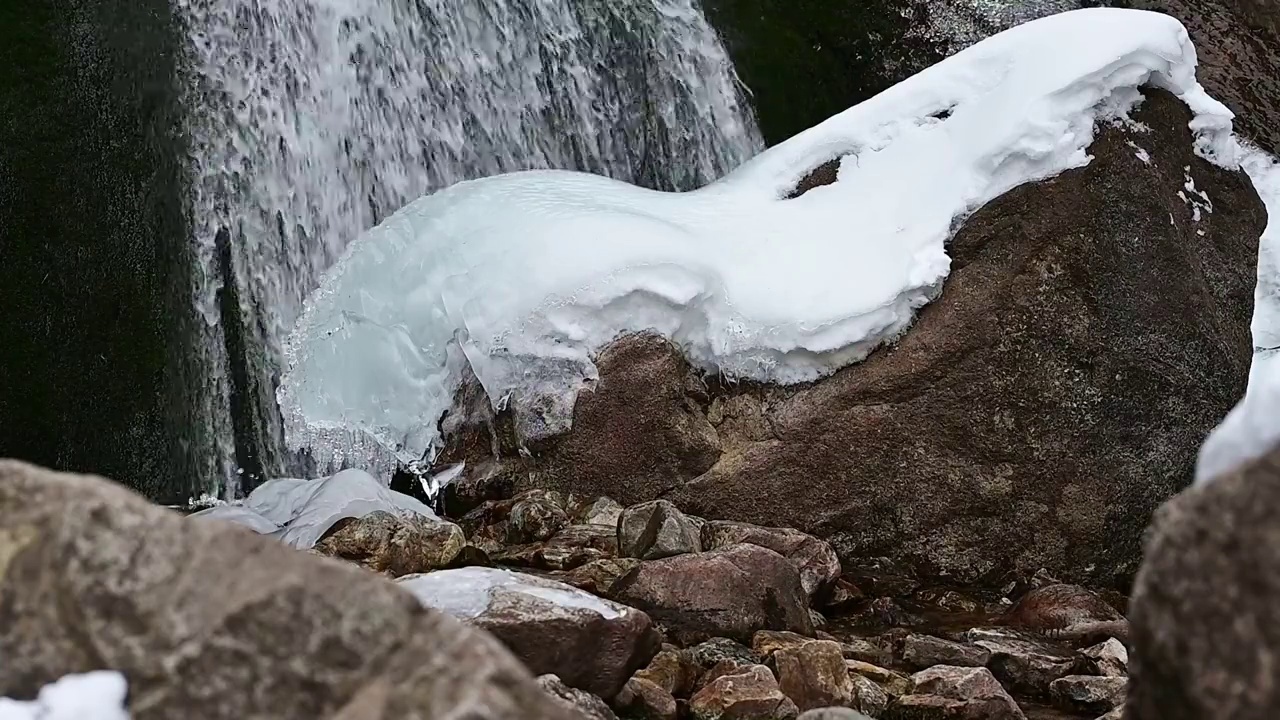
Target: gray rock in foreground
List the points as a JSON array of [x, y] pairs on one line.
[[209, 621]]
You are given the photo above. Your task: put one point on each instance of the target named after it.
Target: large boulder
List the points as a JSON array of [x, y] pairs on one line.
[[1206, 605], [1091, 332], [207, 620], [732, 593], [589, 643], [817, 562]]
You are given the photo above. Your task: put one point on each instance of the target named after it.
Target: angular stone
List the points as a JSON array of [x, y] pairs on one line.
[[656, 530], [1110, 658], [589, 643], [209, 616], [868, 696], [924, 651], [936, 707], [604, 511], [642, 699], [1025, 666], [766, 642], [710, 652], [727, 666], [813, 674], [979, 691], [732, 592], [589, 706], [599, 576], [815, 559], [383, 542], [866, 651], [751, 694], [1089, 692], [577, 545], [672, 670]]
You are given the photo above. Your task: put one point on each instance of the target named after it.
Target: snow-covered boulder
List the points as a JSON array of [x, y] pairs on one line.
[[300, 512], [208, 621], [1090, 335], [590, 643], [1092, 328]]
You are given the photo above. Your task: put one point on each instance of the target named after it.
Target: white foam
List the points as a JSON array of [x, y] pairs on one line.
[[523, 276]]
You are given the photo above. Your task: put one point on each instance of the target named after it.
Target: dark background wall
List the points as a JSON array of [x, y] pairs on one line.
[[94, 298]]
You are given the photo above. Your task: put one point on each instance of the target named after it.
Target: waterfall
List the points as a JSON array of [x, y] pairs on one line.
[[309, 121]]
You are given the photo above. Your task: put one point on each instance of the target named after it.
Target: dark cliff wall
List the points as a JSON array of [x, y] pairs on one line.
[[93, 287]]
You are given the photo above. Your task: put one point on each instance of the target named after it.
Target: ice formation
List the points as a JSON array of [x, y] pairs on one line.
[[298, 512], [466, 593], [1253, 426], [98, 695], [523, 276]]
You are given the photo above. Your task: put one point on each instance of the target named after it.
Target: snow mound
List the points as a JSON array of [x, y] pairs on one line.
[[299, 512], [466, 593], [1252, 428], [523, 276], [98, 695]]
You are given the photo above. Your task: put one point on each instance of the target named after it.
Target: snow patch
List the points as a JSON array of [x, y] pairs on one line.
[[1140, 153], [1252, 428], [524, 276], [98, 695], [299, 512], [466, 593], [1198, 200]]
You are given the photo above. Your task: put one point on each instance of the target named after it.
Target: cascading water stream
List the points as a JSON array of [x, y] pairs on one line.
[[311, 120]]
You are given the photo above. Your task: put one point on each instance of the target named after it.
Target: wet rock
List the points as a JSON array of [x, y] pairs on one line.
[[1206, 621], [479, 482], [1024, 665], [752, 694], [589, 643], [923, 651], [599, 576], [211, 616], [383, 542], [813, 674], [1089, 692], [815, 559], [672, 670], [868, 697], [1110, 659], [589, 706], [643, 699], [604, 511], [731, 592], [577, 545], [655, 530], [976, 689], [1068, 612]]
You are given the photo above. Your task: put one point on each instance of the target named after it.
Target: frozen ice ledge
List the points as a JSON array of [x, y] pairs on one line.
[[523, 276]]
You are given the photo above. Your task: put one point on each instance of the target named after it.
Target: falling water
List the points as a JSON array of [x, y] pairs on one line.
[[311, 120]]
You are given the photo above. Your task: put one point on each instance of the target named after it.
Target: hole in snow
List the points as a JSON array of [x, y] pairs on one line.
[[824, 174], [943, 114]]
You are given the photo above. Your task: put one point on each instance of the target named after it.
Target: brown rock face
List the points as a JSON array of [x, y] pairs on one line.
[[813, 675], [207, 620], [1206, 621], [590, 644], [383, 542], [816, 560], [751, 694], [1036, 414], [655, 530], [730, 593]]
